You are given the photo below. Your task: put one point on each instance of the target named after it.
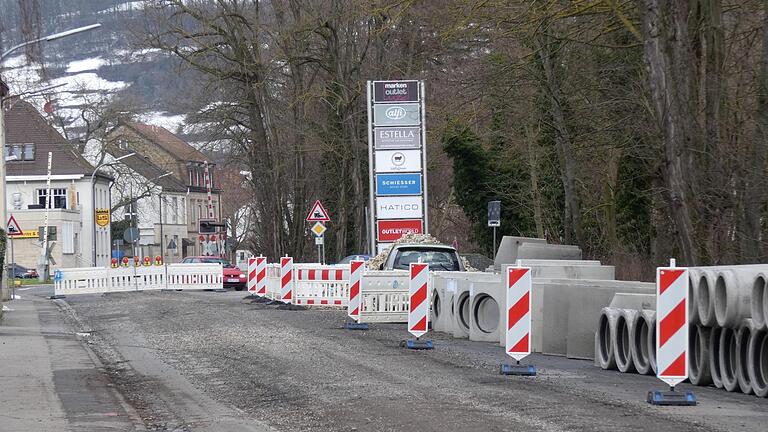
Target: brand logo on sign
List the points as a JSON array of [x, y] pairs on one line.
[[398, 159], [398, 184], [400, 207], [392, 230], [395, 113]]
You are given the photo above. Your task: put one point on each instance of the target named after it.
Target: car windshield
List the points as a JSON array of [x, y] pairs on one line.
[[438, 259], [221, 261]]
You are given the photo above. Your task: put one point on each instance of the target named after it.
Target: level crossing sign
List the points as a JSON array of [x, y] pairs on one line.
[[318, 213], [13, 229]]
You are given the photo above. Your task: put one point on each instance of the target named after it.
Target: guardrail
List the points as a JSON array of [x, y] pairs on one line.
[[98, 280]]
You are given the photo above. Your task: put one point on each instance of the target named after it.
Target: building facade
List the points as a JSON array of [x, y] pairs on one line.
[[184, 198], [75, 194]]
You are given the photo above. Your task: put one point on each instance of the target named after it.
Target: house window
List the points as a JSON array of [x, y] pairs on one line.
[[58, 197], [20, 152], [122, 143]]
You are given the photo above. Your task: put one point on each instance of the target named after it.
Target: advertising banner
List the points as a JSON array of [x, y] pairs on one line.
[[392, 230], [399, 207], [398, 184], [407, 114], [397, 138], [397, 161]]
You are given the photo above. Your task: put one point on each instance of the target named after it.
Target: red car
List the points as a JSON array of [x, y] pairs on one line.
[[233, 276]]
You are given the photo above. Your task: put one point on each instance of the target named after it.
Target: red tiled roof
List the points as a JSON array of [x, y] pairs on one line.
[[25, 125], [169, 142]]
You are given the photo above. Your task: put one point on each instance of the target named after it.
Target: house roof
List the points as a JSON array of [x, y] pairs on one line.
[[25, 125], [168, 141], [145, 168]]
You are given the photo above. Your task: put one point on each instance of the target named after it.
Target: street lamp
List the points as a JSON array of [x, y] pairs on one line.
[[93, 197], [49, 38]]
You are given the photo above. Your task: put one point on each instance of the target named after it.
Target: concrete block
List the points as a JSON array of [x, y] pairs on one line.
[[547, 251], [460, 317], [487, 306], [507, 253], [633, 301], [572, 309], [574, 272], [443, 290]]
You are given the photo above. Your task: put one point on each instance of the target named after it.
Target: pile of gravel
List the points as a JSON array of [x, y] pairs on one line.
[[376, 262]]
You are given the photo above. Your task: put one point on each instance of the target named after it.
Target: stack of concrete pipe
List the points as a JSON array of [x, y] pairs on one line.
[[728, 331]]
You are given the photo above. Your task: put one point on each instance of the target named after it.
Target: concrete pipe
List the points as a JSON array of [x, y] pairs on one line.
[[728, 353], [461, 315], [622, 340], [759, 302], [698, 367], [714, 356], [733, 292], [743, 336], [641, 356], [606, 328], [652, 341], [757, 364], [694, 276], [705, 295], [487, 312]]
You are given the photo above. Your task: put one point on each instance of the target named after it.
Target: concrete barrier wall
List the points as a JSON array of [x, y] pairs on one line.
[[547, 251]]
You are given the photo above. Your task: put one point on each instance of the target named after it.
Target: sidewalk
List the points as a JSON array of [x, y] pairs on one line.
[[49, 381]]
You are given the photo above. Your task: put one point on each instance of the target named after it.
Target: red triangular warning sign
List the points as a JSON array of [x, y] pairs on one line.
[[13, 229], [318, 213]]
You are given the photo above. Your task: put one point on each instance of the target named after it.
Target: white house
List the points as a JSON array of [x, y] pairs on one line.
[[76, 193]]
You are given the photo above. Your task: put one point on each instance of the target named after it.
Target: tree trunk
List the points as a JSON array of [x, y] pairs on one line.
[[667, 56]]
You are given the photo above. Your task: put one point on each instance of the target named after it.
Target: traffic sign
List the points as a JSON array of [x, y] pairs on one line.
[[13, 229], [494, 214], [318, 228], [318, 213], [672, 327], [131, 235]]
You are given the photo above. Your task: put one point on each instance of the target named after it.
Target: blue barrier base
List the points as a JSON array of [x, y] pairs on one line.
[[417, 344], [517, 369], [356, 326], [671, 398]]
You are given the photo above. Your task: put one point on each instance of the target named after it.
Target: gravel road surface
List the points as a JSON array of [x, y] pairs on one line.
[[213, 361]]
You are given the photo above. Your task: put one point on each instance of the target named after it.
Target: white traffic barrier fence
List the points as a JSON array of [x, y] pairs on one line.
[[98, 280], [321, 285], [384, 297]]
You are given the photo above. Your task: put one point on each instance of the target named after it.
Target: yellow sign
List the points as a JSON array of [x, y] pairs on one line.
[[318, 228], [102, 217], [28, 234]]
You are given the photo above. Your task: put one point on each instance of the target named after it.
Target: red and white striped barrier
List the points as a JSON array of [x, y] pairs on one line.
[[286, 279], [356, 269], [672, 324], [251, 284], [261, 276], [518, 340], [322, 274], [418, 303]]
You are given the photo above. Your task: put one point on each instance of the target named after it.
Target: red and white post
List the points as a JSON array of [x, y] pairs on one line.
[[252, 276], [517, 345], [356, 270], [418, 306], [286, 279], [261, 276], [672, 334]]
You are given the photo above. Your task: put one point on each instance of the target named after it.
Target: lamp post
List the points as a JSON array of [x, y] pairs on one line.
[[93, 197]]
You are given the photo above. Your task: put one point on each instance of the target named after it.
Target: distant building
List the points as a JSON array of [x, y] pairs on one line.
[[161, 151], [73, 201]]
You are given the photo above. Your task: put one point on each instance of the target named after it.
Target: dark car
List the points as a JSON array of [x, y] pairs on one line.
[[348, 259], [21, 272], [233, 276]]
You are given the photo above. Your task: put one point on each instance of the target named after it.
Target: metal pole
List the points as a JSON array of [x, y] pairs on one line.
[[424, 154], [494, 243], [43, 262], [371, 171], [319, 254], [13, 270], [162, 238]]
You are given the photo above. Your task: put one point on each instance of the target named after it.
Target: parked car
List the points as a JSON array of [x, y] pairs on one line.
[[21, 272], [439, 257], [233, 276], [348, 259]]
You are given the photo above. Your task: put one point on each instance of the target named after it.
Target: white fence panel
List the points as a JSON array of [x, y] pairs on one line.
[[97, 280], [384, 297]]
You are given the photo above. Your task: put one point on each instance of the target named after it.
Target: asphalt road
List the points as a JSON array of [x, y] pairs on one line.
[[211, 361]]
